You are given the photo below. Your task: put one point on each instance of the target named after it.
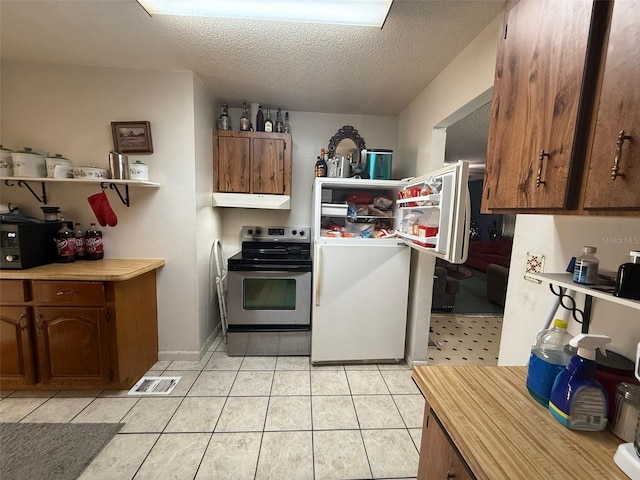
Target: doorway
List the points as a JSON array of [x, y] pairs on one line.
[[469, 332]]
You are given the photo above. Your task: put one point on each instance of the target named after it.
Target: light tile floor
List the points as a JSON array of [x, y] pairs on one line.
[[248, 418]]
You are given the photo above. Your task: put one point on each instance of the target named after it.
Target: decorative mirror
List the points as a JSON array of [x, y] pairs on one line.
[[346, 142]]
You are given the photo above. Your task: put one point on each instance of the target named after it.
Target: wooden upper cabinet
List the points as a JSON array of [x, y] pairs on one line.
[[536, 109], [252, 162], [616, 139], [233, 164], [268, 165]]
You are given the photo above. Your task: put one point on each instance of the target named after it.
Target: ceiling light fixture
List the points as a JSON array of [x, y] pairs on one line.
[[340, 12]]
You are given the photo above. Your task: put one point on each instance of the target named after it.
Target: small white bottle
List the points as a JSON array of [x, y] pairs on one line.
[[585, 270]]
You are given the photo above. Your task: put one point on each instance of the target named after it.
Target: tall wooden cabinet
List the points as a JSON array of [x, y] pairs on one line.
[[252, 162], [565, 109]]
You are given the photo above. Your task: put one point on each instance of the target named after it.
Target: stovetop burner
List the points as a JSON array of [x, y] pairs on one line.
[[273, 246]]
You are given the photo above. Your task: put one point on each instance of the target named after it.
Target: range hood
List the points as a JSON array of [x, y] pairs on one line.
[[254, 200]]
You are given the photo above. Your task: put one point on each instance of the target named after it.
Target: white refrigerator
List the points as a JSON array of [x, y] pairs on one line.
[[363, 231]]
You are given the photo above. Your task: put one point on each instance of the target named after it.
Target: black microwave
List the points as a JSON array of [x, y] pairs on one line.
[[29, 244]]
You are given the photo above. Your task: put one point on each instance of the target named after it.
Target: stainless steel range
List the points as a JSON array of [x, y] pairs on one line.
[[269, 292]]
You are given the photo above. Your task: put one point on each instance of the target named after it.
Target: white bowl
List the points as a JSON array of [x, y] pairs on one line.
[[28, 164], [51, 163], [90, 173]]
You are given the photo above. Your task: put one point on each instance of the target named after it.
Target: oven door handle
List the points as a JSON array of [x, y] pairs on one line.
[[269, 268], [317, 272]]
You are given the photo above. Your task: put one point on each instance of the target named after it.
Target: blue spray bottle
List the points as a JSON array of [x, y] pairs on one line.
[[578, 401]]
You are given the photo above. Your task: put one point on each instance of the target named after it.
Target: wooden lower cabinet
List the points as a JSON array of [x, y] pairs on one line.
[[72, 346], [438, 457], [77, 334], [17, 366]]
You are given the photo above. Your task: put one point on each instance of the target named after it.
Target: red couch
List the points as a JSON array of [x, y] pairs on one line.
[[482, 253]]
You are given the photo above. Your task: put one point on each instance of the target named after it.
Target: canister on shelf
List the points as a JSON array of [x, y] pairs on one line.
[[627, 410], [628, 279]]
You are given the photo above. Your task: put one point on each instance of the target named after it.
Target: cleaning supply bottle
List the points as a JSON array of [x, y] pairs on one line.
[[577, 400], [549, 356]]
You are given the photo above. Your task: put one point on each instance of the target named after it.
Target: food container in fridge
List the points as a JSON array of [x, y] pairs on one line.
[[339, 209], [51, 163], [27, 163]]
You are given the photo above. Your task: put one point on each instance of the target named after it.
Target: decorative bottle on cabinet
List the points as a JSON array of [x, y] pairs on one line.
[[224, 122], [268, 123], [245, 123], [287, 125], [260, 120], [279, 123]]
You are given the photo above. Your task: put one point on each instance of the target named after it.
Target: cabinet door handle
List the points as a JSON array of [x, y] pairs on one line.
[[22, 321], [539, 180], [449, 476], [60, 293], [614, 170]]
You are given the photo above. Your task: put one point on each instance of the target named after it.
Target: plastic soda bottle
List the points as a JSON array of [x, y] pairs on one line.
[[94, 248]]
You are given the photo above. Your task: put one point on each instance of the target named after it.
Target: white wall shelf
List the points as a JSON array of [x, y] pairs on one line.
[[104, 183], [565, 280]]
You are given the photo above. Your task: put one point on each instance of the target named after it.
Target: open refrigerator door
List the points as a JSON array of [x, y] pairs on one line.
[[434, 213]]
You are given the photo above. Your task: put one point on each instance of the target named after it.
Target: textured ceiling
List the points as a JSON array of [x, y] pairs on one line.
[[297, 66]]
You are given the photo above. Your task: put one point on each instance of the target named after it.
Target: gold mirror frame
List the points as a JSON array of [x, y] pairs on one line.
[[345, 132]]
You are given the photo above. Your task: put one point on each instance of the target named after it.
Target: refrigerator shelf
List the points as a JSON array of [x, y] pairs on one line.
[[420, 207], [432, 200], [417, 240]]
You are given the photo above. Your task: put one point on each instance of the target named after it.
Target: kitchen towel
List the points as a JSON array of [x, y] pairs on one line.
[[104, 213]]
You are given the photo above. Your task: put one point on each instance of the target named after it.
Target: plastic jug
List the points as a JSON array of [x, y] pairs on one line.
[[549, 356]]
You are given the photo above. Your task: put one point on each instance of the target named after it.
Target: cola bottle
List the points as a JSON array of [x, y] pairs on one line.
[[78, 234], [93, 247], [66, 245]]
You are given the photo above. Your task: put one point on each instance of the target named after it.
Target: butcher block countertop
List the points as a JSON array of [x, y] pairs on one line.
[[108, 269], [502, 433]]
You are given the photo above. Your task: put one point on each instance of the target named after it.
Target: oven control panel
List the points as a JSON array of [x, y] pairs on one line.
[[274, 234]]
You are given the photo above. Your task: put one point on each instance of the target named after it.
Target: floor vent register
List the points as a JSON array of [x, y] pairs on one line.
[[154, 386]]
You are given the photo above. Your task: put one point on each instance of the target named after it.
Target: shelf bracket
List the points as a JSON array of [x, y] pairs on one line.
[[113, 186], [585, 314], [42, 198]]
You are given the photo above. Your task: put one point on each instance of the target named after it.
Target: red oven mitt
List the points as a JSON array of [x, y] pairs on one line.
[[104, 213]]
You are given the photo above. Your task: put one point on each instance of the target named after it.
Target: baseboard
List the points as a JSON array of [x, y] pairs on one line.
[[191, 355]]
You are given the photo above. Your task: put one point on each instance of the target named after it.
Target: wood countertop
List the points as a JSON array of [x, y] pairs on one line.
[[108, 269], [502, 433]]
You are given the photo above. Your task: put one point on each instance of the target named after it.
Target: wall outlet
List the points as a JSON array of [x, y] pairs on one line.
[[535, 264]]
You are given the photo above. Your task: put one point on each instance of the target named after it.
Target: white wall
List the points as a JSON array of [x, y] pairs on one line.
[[208, 219], [310, 132], [461, 86], [559, 238], [68, 110]]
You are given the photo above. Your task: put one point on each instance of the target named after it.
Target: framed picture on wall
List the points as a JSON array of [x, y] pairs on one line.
[[132, 137]]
